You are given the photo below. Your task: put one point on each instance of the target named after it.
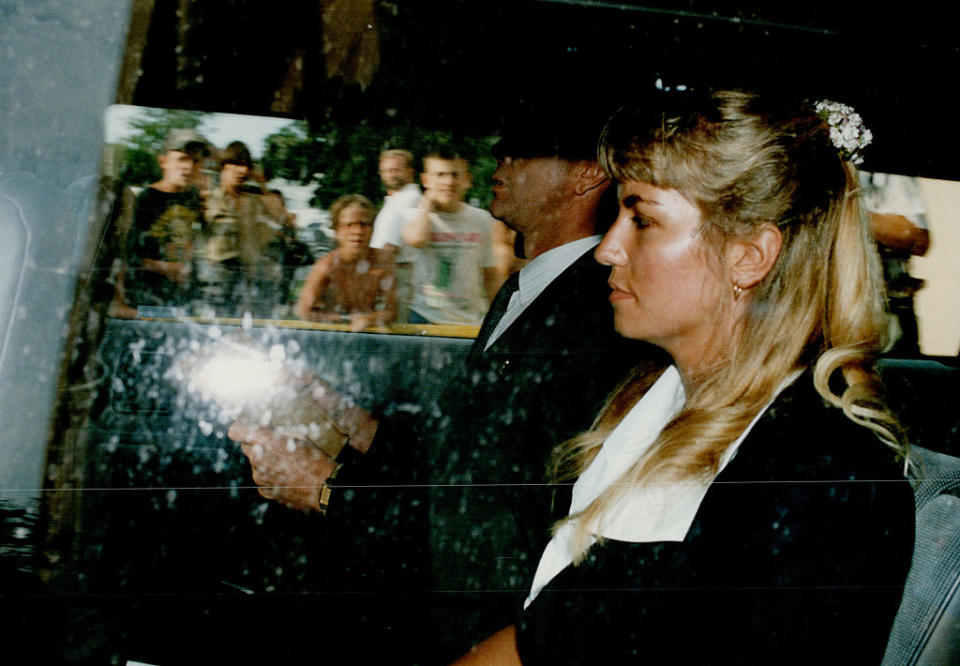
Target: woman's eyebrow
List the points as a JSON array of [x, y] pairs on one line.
[[637, 200]]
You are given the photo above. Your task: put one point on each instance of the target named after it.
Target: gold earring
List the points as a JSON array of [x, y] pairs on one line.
[[737, 291]]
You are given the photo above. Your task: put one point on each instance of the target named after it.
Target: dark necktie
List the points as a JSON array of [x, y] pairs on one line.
[[496, 311]]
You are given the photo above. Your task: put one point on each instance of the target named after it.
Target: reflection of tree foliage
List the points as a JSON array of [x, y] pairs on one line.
[[337, 157], [342, 158], [151, 127], [139, 167], [288, 153]]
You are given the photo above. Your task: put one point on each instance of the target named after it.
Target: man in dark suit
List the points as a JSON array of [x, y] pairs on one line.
[[536, 376], [474, 466]]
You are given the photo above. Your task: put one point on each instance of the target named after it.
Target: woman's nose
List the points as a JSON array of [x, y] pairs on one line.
[[610, 252]]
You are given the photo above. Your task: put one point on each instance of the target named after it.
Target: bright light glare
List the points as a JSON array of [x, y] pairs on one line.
[[236, 381]]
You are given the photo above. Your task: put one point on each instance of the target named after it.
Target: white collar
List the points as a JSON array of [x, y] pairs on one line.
[[537, 275], [651, 512]]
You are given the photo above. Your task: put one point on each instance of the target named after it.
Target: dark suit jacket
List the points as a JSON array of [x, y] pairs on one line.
[[540, 383], [466, 510], [798, 554]]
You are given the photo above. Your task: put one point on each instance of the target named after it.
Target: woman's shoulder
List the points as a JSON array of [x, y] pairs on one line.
[[803, 437]]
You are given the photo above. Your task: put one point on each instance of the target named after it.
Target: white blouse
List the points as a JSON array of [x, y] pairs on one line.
[[651, 512]]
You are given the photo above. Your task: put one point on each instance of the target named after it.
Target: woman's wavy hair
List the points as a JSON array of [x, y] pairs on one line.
[[745, 161]]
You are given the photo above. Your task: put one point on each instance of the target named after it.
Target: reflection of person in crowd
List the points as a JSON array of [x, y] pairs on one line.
[[899, 219], [451, 247], [294, 253], [770, 535], [246, 237], [167, 224], [539, 381], [354, 283], [397, 175], [117, 202]]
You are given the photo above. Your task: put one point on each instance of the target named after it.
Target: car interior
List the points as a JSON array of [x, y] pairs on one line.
[[131, 530]]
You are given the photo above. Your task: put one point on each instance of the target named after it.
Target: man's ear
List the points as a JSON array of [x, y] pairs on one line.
[[589, 177], [751, 259]]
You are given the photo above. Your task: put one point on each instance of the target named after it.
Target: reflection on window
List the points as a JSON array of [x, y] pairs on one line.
[[223, 216], [912, 222]]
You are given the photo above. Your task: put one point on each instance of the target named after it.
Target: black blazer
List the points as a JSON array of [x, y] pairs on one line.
[[466, 510], [798, 554], [543, 381]]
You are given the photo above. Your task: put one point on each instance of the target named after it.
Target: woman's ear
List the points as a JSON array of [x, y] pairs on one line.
[[750, 259]]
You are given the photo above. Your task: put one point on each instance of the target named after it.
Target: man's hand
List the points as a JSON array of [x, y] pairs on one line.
[[287, 470], [416, 232], [354, 421], [431, 201]]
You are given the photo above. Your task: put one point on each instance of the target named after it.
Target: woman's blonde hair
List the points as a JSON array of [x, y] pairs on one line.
[[746, 161]]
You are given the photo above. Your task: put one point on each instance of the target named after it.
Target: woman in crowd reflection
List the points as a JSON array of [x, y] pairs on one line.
[[746, 503], [353, 284]]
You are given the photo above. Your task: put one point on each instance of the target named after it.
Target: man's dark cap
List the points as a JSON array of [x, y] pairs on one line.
[[571, 136]]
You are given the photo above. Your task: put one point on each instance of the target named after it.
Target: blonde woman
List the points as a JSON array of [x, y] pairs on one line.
[[746, 503]]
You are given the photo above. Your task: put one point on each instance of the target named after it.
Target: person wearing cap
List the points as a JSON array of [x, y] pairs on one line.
[[455, 501], [167, 223]]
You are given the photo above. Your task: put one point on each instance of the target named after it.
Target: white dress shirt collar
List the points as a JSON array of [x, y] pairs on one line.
[[537, 275], [650, 512]]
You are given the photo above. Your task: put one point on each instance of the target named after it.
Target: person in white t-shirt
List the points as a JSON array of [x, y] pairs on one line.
[[450, 245], [397, 175]]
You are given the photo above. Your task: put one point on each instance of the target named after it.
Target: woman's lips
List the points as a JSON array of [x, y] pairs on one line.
[[618, 294]]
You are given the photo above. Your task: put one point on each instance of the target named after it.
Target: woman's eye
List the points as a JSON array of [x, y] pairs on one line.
[[640, 222]]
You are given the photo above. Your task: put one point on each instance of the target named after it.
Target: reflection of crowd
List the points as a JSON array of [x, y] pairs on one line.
[[229, 247], [223, 249], [898, 219]]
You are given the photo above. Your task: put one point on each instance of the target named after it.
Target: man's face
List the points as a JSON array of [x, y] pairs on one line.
[[530, 190], [177, 167], [446, 180], [395, 172], [233, 175]]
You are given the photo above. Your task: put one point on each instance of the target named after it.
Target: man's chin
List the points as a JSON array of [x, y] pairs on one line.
[[502, 213]]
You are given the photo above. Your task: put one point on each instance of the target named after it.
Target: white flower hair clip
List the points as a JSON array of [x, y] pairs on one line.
[[847, 131]]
